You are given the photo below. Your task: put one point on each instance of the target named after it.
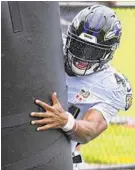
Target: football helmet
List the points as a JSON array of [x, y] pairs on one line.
[[92, 39]]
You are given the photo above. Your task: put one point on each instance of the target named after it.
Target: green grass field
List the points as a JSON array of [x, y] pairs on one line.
[[117, 144]]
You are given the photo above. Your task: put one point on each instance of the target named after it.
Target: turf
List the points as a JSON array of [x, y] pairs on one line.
[[115, 146]]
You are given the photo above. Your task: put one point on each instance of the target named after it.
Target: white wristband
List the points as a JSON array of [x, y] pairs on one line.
[[70, 123]]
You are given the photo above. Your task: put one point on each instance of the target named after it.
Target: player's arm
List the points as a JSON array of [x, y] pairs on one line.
[[56, 117], [90, 127]]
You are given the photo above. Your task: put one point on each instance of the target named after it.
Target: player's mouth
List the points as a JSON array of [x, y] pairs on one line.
[[81, 65]]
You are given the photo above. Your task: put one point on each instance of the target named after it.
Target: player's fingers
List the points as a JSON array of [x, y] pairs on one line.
[[44, 105], [48, 126], [55, 99], [41, 114], [42, 121]]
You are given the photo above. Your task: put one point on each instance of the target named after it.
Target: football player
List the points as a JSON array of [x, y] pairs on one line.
[[96, 90]]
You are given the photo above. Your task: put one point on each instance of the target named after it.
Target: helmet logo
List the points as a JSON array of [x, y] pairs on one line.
[[114, 31]]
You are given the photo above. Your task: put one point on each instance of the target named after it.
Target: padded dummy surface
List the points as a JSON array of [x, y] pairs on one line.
[[32, 68]]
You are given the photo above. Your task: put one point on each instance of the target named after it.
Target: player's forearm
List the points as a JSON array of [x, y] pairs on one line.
[[86, 131]]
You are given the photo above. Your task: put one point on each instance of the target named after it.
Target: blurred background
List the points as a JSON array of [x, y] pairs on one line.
[[116, 146]]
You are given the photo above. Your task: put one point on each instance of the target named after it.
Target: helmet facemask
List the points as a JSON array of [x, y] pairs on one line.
[[84, 57]]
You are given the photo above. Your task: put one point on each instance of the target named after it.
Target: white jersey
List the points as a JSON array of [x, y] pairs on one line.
[[107, 91]]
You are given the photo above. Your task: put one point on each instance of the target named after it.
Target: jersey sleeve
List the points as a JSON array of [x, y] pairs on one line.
[[122, 97], [114, 100], [107, 111]]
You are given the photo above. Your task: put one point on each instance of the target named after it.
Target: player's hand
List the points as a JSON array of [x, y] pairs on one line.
[[54, 117]]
